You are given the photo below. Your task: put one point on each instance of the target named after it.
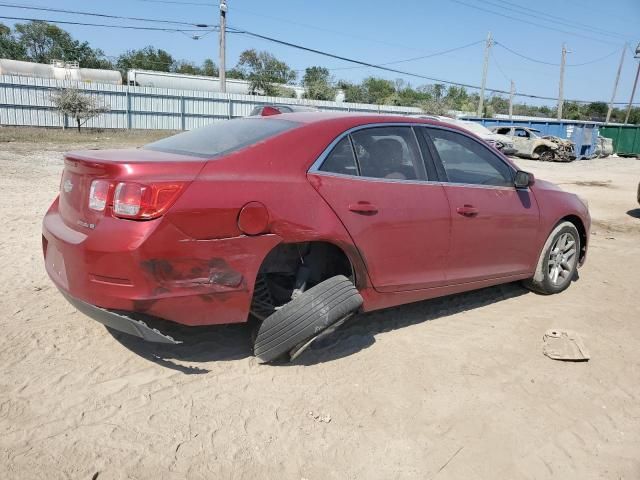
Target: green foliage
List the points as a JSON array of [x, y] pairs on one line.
[[318, 84], [209, 68], [10, 47], [263, 70], [147, 58], [42, 42], [282, 91], [353, 93], [237, 74]]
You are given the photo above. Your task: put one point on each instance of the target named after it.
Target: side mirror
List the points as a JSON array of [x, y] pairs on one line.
[[523, 179]]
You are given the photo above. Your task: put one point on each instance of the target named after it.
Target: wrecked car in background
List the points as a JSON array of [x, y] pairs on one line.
[[530, 144], [501, 142], [300, 220]]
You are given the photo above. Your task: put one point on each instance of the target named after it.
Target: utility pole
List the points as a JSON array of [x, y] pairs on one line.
[[223, 53], [615, 85], [485, 69], [511, 92], [633, 93], [561, 87], [635, 84]]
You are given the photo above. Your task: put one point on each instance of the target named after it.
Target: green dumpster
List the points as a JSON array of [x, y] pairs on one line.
[[626, 139]]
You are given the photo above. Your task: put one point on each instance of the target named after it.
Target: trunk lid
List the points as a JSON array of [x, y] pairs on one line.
[[136, 165]]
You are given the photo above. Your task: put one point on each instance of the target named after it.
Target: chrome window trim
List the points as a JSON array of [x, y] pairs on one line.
[[315, 167]]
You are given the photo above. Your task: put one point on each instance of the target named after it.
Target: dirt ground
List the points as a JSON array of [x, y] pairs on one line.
[[451, 388]]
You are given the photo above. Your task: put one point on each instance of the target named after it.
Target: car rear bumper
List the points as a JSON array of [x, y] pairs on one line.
[[508, 151], [120, 321], [153, 268]]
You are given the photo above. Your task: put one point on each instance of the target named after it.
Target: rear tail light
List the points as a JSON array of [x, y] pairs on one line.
[[143, 202], [98, 194]]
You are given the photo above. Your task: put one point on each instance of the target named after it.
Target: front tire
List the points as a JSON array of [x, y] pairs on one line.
[[305, 317], [558, 262]]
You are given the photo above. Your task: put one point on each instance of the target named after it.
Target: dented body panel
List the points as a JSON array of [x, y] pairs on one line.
[[198, 263]]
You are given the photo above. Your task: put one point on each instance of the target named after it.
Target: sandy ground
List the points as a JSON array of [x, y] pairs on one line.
[[451, 388]]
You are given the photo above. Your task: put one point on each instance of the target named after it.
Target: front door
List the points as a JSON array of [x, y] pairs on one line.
[[375, 181], [493, 225]]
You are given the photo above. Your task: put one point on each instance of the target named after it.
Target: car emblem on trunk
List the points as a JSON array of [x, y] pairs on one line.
[[67, 186]]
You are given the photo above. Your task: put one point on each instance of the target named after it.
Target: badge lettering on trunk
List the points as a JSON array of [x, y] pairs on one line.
[[67, 186]]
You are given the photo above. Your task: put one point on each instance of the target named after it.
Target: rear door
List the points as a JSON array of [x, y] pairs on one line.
[[376, 182], [493, 225]]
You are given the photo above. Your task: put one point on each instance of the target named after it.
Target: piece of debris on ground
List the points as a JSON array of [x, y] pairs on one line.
[[564, 345]]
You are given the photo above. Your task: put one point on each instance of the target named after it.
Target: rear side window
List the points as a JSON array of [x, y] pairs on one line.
[[467, 161], [388, 152], [341, 159], [222, 137]]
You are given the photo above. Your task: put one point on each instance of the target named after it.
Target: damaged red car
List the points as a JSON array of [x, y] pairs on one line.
[[300, 220]]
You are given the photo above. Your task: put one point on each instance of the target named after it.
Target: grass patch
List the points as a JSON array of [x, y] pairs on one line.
[[86, 138]]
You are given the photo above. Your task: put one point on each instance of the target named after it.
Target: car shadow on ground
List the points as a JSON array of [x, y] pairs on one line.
[[232, 342], [634, 212]]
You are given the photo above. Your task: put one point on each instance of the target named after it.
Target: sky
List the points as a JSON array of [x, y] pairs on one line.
[[382, 31]]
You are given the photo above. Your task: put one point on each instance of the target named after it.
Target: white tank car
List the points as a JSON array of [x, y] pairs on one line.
[[180, 81], [59, 70]]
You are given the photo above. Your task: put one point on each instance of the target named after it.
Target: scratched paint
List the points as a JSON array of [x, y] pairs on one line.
[[211, 275]]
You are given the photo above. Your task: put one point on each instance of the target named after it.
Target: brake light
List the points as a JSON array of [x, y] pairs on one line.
[[143, 202], [98, 194]]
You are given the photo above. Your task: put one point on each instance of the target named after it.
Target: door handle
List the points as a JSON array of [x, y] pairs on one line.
[[363, 208], [467, 211]]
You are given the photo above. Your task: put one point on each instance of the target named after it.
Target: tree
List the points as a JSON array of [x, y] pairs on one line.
[[597, 111], [378, 90], [353, 93], [317, 84], [236, 73], [186, 67], [42, 42], [77, 105], [209, 68], [263, 70], [9, 45], [147, 58]]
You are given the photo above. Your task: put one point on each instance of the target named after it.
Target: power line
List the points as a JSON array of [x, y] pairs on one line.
[[495, 60], [557, 64], [393, 70], [174, 2], [103, 15], [532, 23], [64, 22], [559, 20], [412, 59], [307, 49]]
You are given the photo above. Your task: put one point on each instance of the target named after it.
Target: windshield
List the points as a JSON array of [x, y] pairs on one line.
[[222, 137]]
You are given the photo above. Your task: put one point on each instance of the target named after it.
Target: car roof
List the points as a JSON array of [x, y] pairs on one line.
[[353, 119]]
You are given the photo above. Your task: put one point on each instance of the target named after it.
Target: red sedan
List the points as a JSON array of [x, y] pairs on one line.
[[301, 220]]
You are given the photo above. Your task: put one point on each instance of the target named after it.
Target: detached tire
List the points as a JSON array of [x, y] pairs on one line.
[[558, 261], [305, 317]]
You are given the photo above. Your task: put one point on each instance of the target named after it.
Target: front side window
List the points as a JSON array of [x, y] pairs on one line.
[[521, 132], [467, 161], [222, 138], [341, 159], [388, 152]]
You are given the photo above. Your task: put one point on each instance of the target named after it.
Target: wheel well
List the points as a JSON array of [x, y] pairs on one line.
[[289, 264], [581, 231]]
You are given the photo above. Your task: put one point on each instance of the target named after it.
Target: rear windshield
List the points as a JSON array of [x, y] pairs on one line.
[[222, 137]]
